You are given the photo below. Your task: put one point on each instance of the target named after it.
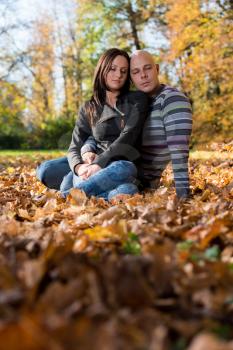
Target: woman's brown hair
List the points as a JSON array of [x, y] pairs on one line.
[[99, 82]]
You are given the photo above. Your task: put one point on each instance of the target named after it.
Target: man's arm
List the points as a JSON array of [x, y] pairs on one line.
[[178, 126]]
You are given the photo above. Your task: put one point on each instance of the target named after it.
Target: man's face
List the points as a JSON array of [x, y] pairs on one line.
[[144, 72]]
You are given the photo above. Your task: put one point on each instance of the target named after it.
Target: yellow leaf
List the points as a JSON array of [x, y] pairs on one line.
[[10, 170], [112, 232], [24, 214]]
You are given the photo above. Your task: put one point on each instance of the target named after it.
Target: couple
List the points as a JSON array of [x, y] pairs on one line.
[[121, 136]]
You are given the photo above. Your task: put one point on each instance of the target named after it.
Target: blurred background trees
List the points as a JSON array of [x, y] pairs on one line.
[[200, 34], [45, 79]]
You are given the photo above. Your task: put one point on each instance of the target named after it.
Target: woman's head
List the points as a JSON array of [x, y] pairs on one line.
[[112, 74]]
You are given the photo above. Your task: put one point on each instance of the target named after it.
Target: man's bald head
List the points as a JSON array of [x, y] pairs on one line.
[[142, 53], [144, 71]]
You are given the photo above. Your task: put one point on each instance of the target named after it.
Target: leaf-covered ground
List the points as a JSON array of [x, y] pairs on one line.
[[150, 273]]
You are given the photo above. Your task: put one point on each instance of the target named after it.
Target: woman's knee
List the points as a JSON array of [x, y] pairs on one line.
[[67, 182], [127, 188], [124, 169], [52, 172], [42, 170]]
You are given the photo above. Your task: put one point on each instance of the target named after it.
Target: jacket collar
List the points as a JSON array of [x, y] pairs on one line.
[[108, 112]]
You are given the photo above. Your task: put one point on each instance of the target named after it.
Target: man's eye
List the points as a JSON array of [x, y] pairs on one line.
[[134, 72], [148, 68]]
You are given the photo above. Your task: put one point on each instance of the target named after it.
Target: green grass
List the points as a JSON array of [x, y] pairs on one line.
[[31, 153], [202, 155]]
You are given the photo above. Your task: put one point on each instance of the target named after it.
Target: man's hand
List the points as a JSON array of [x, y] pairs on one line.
[[89, 157]]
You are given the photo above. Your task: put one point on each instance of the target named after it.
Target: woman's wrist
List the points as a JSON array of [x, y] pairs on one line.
[[76, 168]]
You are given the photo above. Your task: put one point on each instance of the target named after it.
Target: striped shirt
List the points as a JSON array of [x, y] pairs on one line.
[[165, 138]]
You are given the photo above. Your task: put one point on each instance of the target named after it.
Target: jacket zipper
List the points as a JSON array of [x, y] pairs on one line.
[[122, 123]]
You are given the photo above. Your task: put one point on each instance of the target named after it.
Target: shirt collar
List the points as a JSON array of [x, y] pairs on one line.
[[158, 90]]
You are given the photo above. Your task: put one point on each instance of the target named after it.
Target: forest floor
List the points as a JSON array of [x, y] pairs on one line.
[[151, 273]]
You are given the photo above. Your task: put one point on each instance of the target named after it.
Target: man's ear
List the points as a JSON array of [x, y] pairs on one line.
[[157, 68]]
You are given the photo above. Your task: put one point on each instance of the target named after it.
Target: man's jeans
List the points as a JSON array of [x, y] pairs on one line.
[[117, 178]]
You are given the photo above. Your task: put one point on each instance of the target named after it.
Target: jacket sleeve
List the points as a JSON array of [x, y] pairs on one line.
[[81, 132], [125, 146], [89, 146]]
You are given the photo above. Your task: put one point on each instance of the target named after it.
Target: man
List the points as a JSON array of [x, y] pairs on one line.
[[166, 132]]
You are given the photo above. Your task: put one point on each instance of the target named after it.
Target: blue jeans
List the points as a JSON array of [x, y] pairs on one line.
[[117, 178], [52, 172]]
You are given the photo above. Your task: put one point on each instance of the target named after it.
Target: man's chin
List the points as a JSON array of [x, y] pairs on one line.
[[146, 89]]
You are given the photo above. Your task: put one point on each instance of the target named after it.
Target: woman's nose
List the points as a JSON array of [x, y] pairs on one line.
[[118, 73]]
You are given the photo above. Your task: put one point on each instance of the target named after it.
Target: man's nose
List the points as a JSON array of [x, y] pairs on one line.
[[143, 74]]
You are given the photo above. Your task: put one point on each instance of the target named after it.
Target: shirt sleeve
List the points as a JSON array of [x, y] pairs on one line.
[[125, 146], [81, 132], [178, 126]]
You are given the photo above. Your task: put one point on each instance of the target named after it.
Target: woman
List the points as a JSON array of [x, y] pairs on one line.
[[114, 117]]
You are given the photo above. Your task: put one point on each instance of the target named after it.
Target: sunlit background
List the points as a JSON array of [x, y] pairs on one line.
[[48, 51]]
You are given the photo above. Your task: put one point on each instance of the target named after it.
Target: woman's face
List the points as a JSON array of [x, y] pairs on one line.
[[116, 77]]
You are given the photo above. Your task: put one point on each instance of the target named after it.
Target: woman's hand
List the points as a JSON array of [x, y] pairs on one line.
[[84, 171], [91, 170], [81, 170], [89, 157]]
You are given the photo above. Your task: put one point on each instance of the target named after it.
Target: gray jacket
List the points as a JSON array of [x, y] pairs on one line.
[[116, 132]]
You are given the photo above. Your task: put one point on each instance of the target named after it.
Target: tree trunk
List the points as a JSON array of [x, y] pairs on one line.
[[133, 25]]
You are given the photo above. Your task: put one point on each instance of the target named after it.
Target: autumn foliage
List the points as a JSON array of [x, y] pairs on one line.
[[148, 273], [44, 80], [200, 34]]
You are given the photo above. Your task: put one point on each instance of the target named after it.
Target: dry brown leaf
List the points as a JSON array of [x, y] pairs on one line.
[[210, 342], [32, 272], [65, 267], [217, 228], [81, 244], [77, 196], [24, 214], [26, 335]]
